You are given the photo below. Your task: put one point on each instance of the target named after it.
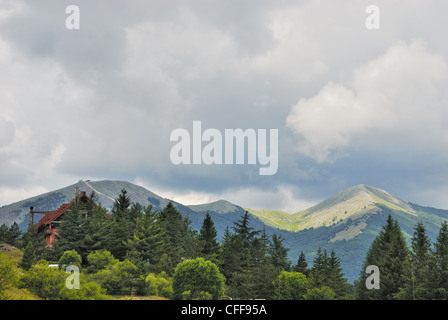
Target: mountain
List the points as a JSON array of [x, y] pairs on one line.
[[346, 222], [351, 203], [106, 192]]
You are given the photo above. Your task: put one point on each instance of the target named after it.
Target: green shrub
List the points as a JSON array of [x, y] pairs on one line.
[[200, 277]]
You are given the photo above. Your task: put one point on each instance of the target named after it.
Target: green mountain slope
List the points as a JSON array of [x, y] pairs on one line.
[[353, 202], [347, 223]]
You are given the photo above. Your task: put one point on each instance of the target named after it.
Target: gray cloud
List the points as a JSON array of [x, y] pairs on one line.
[[100, 102]]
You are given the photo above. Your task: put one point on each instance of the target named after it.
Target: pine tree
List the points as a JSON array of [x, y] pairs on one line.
[[240, 258], [302, 265], [120, 228], [71, 231], [263, 269], [115, 235], [319, 271], [243, 230], [97, 222], [279, 254], [416, 283], [29, 256], [439, 282], [264, 275], [3, 231], [336, 280], [182, 239], [230, 255], [209, 245], [390, 254], [121, 204], [13, 234], [149, 239]]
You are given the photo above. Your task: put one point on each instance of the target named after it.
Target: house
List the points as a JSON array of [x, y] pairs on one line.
[[48, 225]]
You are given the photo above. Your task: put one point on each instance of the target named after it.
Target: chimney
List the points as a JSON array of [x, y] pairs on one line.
[[31, 217]]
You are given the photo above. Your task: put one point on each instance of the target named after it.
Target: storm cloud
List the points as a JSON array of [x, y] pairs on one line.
[[351, 105]]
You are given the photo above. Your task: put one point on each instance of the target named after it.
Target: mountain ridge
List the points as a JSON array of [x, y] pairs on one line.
[[352, 202]]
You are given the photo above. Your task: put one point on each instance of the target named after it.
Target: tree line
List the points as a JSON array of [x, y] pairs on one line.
[[416, 273], [159, 252]]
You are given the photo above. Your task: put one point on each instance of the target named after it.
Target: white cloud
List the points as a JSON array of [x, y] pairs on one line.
[[284, 197], [400, 93]]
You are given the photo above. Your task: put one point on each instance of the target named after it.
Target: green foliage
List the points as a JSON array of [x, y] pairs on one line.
[[198, 276], [149, 239], [88, 290], [29, 256], [321, 293], [209, 245], [301, 265], [99, 260], [390, 254], [9, 274], [158, 253], [3, 231], [10, 235], [70, 257], [416, 276], [439, 264], [327, 272], [118, 278], [279, 254], [159, 285], [182, 239], [72, 231], [291, 286], [44, 281], [203, 295]]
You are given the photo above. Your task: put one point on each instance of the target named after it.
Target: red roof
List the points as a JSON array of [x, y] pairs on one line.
[[51, 215]]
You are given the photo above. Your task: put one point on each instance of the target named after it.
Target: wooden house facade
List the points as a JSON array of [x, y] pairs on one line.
[[49, 224]]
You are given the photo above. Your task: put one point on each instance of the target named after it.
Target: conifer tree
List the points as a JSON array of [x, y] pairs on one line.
[[279, 254], [12, 234], [97, 222], [230, 263], [390, 254], [149, 239], [301, 265], [182, 239], [265, 276], [3, 231], [241, 257], [209, 245], [121, 204], [120, 228], [416, 283], [29, 256], [71, 231], [243, 230], [336, 280], [439, 280], [319, 273]]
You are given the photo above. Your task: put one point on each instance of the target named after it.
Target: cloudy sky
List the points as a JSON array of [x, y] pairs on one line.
[[352, 105]]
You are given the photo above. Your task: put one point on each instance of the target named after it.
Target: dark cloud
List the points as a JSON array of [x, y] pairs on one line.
[[101, 102]]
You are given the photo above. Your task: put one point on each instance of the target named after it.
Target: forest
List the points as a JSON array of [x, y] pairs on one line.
[[142, 252]]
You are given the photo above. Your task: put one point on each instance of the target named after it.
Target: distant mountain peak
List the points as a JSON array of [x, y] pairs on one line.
[[353, 202], [220, 206]]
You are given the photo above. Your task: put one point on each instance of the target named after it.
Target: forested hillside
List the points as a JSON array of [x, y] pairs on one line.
[[146, 252]]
